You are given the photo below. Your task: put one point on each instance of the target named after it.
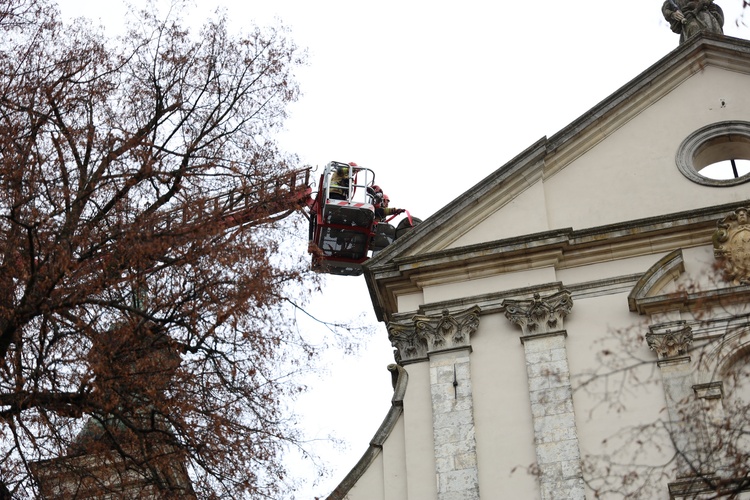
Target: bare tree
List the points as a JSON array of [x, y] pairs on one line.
[[142, 292], [699, 445]]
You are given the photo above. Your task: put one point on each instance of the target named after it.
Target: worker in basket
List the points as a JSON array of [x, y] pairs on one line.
[[340, 179], [380, 201]]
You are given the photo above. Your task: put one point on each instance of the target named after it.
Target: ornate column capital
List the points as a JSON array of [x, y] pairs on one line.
[[414, 339], [540, 314], [670, 341], [732, 246], [448, 331], [408, 346]]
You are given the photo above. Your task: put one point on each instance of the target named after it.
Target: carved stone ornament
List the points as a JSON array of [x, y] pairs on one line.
[[423, 334], [671, 342], [541, 314], [448, 331], [732, 247], [688, 17], [408, 346]]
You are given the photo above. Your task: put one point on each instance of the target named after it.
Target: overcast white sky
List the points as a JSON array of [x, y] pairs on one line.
[[434, 96]]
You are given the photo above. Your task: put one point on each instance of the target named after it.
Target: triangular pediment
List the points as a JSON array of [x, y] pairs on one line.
[[614, 163]]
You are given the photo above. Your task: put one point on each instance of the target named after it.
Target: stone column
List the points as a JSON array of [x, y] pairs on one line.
[[444, 340], [551, 396]]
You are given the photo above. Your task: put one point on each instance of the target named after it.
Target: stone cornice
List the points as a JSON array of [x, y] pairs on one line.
[[567, 240], [711, 390], [684, 301], [491, 303], [560, 249]]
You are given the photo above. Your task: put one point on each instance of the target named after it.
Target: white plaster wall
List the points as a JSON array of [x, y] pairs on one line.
[[615, 182], [526, 213], [385, 479], [394, 463], [502, 412], [609, 269], [410, 302], [370, 485], [700, 272], [418, 438], [605, 408], [471, 287]]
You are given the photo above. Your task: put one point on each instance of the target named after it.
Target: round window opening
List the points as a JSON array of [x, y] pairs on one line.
[[717, 155]]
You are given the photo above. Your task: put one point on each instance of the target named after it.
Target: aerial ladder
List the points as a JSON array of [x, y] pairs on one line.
[[347, 221]]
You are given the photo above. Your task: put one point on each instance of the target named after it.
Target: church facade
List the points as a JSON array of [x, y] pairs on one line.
[[576, 324]]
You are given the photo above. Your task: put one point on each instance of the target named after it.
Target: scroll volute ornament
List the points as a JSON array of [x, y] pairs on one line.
[[732, 247]]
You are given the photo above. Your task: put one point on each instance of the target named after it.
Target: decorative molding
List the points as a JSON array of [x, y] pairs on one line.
[[711, 390], [491, 303], [562, 249], [702, 300], [693, 487], [670, 341], [702, 140], [417, 337], [535, 336], [708, 486], [541, 314], [732, 246], [667, 269]]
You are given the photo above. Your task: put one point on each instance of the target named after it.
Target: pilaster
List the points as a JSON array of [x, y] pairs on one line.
[[710, 396], [550, 392], [671, 342], [444, 341]]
